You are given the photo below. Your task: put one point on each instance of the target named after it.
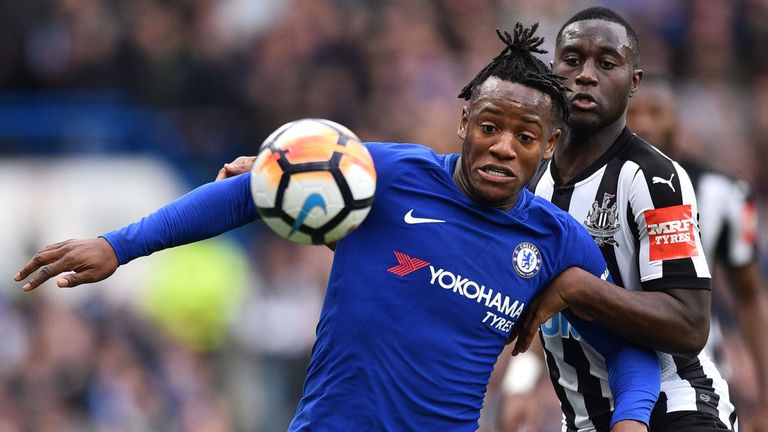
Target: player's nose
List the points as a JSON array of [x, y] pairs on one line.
[[504, 147], [587, 73]]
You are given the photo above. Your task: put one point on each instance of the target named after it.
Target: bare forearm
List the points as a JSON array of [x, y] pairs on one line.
[[675, 321], [752, 311], [629, 426], [753, 320]]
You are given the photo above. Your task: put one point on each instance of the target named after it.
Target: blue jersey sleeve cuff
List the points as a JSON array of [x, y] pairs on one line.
[[634, 374], [635, 386]]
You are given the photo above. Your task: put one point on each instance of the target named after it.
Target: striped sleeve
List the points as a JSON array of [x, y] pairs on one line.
[[740, 242], [663, 207]]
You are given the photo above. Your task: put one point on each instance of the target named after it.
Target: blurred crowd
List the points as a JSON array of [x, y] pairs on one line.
[[210, 79]]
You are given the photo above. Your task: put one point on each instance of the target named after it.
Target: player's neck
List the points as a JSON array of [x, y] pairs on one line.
[[580, 149]]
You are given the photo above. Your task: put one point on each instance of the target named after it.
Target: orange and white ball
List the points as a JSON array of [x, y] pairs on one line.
[[313, 181]]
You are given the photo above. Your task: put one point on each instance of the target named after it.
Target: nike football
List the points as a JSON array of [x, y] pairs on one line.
[[313, 181]]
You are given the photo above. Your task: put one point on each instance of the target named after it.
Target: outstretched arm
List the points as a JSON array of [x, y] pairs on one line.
[[674, 321], [207, 211]]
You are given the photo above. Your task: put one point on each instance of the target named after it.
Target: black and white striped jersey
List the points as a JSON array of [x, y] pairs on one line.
[[728, 215], [641, 209]]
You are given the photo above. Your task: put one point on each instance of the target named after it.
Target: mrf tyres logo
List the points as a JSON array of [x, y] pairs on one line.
[[671, 233], [502, 311]]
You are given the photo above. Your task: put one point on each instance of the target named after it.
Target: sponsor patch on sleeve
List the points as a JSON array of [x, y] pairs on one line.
[[671, 233], [749, 224]]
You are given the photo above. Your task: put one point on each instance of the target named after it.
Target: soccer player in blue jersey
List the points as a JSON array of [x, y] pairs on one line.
[[413, 348]]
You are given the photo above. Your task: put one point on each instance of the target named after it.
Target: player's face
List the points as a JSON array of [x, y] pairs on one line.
[[507, 130], [652, 116], [596, 59]]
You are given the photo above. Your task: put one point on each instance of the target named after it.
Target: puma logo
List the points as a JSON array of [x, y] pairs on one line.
[[665, 181]]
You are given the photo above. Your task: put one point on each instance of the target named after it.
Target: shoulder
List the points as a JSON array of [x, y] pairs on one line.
[[648, 158], [656, 177], [566, 238], [549, 215], [402, 152], [391, 159]]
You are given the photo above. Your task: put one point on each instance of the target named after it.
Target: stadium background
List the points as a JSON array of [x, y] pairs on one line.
[[109, 109]]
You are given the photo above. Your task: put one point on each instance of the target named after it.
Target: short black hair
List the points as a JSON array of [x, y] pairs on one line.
[[516, 63], [605, 14]]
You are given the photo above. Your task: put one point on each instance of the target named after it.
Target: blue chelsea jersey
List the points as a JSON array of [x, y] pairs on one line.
[[422, 297]]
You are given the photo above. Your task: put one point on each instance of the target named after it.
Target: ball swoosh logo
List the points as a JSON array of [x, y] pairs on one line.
[[410, 219], [312, 201]]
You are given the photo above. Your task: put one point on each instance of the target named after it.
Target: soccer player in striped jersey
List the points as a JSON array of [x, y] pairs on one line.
[[641, 210], [728, 233], [412, 346]]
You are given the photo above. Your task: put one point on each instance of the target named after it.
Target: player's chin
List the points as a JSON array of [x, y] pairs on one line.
[[584, 120]]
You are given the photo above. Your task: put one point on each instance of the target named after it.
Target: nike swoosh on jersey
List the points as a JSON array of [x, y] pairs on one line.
[[411, 220]]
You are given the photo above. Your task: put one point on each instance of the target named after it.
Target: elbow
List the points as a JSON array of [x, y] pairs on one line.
[[695, 335], [694, 346], [700, 330], [688, 321]]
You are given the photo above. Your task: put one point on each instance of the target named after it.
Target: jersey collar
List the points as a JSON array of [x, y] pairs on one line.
[[624, 139]]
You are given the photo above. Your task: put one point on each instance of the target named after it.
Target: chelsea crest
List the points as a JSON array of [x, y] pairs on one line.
[[526, 259]]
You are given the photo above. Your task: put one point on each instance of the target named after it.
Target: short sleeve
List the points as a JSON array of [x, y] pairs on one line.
[[665, 212], [739, 242]]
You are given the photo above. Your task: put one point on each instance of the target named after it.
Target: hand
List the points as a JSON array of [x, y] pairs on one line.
[[629, 426], [241, 165], [548, 302], [91, 260], [545, 304]]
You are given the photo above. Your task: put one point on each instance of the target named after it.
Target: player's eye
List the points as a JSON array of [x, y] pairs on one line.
[[526, 139], [605, 64], [571, 61], [488, 128]]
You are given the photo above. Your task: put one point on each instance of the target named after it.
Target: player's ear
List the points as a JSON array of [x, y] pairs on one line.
[[463, 122], [549, 147], [637, 76]]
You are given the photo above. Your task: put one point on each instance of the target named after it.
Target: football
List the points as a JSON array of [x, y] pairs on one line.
[[313, 181]]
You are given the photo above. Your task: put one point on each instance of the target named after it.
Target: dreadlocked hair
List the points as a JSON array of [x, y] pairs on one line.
[[516, 63]]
